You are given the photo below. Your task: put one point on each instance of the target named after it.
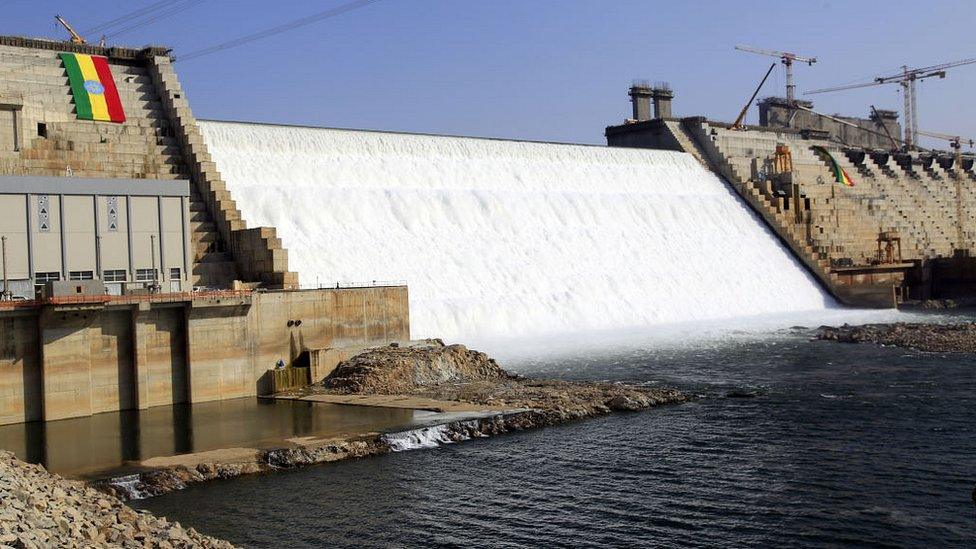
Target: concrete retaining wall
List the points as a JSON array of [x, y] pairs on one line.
[[67, 361]]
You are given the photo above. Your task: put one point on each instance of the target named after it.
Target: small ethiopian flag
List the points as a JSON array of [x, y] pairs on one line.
[[840, 174], [92, 85]]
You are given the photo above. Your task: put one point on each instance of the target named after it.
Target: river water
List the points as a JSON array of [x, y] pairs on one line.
[[841, 444], [112, 444]]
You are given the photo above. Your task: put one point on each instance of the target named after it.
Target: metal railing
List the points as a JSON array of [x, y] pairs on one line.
[[128, 299], [341, 285]]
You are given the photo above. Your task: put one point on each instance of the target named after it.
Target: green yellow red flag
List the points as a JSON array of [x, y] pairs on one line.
[[840, 174], [93, 88]]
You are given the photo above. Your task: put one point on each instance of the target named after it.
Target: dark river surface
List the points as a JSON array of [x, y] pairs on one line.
[[843, 445]]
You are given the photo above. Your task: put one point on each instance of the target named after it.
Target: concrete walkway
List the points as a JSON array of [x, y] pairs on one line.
[[403, 402]]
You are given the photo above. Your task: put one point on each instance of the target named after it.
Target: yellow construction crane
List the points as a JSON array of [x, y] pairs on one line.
[[75, 37]]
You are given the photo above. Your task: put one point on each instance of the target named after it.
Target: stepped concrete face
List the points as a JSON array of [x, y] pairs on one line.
[[924, 205], [76, 355], [41, 136]]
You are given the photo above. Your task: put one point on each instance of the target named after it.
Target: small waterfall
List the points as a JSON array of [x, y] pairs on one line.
[[416, 439], [130, 486], [511, 239]]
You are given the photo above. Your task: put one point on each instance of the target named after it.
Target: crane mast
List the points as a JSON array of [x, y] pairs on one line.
[[787, 59], [907, 79]]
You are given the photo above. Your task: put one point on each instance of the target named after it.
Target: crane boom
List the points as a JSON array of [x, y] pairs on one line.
[[774, 53], [955, 141], [75, 37], [907, 79], [787, 59]]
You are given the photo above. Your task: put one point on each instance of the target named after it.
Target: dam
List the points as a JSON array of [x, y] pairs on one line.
[[511, 239], [153, 259]]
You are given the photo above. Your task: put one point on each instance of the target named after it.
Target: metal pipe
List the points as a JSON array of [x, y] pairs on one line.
[[6, 281], [152, 253]]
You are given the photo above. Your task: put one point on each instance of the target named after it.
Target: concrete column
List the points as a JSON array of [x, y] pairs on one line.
[[64, 249], [128, 234], [662, 96], [187, 245], [160, 356], [21, 393], [162, 245], [66, 362], [30, 238], [640, 96], [219, 349]]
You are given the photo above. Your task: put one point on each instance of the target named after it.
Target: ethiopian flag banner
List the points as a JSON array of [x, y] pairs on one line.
[[840, 174], [92, 85]]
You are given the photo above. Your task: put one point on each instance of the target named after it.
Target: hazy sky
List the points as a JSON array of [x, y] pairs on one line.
[[535, 69]]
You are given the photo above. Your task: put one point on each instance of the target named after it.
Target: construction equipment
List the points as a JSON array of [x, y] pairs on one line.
[[737, 125], [787, 59], [75, 37], [889, 247], [906, 79], [955, 141], [877, 117]]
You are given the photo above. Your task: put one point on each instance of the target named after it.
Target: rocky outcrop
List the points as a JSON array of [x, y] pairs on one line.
[[39, 509], [958, 338], [401, 369], [455, 373]]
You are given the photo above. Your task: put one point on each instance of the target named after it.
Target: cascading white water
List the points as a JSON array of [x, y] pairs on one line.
[[505, 238]]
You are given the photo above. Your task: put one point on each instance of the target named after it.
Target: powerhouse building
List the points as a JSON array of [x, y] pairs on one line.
[[131, 278]]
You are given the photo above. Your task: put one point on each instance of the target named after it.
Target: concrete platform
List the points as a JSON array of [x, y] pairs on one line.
[[404, 402]]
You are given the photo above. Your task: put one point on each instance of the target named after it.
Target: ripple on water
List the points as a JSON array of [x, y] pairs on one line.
[[857, 445]]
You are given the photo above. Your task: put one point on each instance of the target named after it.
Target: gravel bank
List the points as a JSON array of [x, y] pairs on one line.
[[942, 338], [40, 509]]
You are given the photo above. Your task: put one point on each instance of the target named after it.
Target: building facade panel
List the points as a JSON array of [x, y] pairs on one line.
[[79, 236], [113, 231], [13, 225]]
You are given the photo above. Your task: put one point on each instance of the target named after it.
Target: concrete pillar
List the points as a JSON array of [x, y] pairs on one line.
[[160, 356], [219, 348], [640, 96], [21, 391], [66, 362], [662, 96]]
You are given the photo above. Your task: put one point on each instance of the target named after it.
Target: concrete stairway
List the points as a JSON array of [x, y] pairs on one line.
[[258, 255], [149, 145], [808, 225], [59, 144]]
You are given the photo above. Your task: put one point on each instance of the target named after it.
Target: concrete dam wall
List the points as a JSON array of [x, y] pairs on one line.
[[505, 239]]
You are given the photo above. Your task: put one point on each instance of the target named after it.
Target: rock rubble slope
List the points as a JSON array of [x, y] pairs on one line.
[[40, 509]]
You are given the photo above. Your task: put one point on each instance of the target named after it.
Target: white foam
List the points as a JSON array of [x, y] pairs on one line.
[[417, 439], [131, 486], [501, 239]]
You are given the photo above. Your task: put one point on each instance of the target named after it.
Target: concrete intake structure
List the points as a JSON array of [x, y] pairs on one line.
[[109, 226]]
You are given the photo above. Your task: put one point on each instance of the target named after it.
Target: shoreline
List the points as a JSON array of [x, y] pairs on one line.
[[957, 337], [472, 396], [171, 473]]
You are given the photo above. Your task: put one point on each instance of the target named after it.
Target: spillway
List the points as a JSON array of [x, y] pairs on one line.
[[511, 239]]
